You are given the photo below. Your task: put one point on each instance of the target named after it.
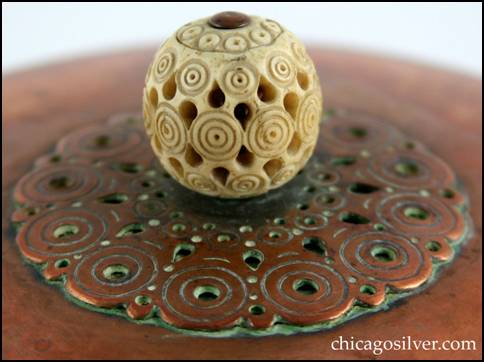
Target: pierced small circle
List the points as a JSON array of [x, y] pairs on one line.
[[447, 193], [245, 229], [279, 221], [142, 300], [208, 226], [116, 272], [365, 153], [309, 188], [274, 234], [379, 227], [196, 239], [223, 238], [416, 212], [433, 246], [178, 228], [305, 287], [302, 206], [160, 194], [62, 263], [253, 296], [206, 293], [424, 193], [383, 254], [66, 231], [333, 189], [143, 197], [176, 214], [154, 222], [150, 173], [252, 279], [368, 289], [168, 268], [257, 309]]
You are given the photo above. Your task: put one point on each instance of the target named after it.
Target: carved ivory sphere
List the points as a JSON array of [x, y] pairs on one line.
[[232, 105]]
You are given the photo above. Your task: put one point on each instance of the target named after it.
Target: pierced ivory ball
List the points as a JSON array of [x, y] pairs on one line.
[[232, 105]]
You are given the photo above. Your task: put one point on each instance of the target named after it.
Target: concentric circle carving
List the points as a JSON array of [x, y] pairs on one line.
[[164, 65], [170, 129], [284, 175], [216, 136], [247, 184], [300, 54], [193, 77], [260, 36], [309, 115], [272, 27], [190, 32], [280, 67], [209, 41], [259, 32], [200, 182], [235, 43], [243, 97], [270, 132], [239, 79], [149, 111]]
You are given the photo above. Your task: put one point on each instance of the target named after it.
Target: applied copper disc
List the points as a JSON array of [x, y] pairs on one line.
[[368, 221], [229, 20]]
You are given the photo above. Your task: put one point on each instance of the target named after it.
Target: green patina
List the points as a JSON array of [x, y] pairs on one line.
[[280, 327], [251, 258]]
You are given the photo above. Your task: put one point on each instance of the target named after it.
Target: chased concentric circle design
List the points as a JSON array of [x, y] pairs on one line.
[[179, 295], [103, 216], [330, 296]]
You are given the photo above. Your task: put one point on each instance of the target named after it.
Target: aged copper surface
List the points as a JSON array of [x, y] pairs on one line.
[[370, 217], [229, 20], [39, 323]]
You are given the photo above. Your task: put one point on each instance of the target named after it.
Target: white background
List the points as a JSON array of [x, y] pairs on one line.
[[447, 35]]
